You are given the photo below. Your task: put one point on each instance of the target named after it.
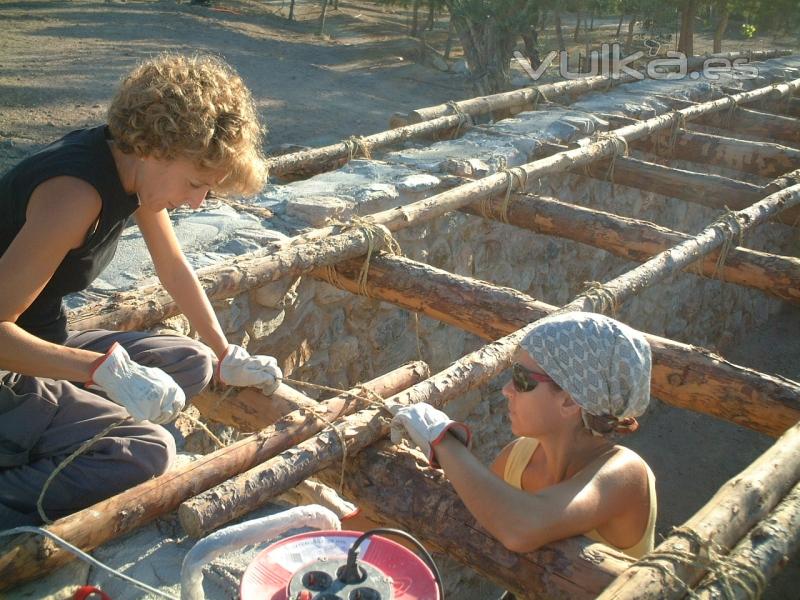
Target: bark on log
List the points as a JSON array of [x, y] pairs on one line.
[[685, 376], [738, 505], [664, 264], [766, 160], [393, 484], [714, 191], [790, 107], [752, 122], [31, 556], [247, 409], [759, 556], [638, 241], [526, 97]]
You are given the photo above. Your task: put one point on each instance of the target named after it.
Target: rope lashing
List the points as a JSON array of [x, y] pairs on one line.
[[463, 118], [620, 148], [734, 105], [357, 147], [678, 123], [709, 557], [539, 96], [600, 297], [732, 228]]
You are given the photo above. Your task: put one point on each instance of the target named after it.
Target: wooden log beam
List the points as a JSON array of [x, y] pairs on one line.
[[759, 556], [146, 307], [393, 484], [525, 98], [753, 122], [758, 158], [683, 375], [789, 107], [30, 556], [714, 191], [662, 265], [638, 241], [738, 505]]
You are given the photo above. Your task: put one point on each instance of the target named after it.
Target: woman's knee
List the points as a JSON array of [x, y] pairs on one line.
[[196, 368], [152, 452]]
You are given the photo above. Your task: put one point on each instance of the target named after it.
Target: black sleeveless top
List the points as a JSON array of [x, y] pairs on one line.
[[83, 154]]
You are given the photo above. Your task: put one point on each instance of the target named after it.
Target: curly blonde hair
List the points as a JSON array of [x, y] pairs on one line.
[[195, 108]]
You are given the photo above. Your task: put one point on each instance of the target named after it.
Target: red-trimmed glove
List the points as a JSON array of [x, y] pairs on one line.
[[147, 393], [427, 426], [238, 368]]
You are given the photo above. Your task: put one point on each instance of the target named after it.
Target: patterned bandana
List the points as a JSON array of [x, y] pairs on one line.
[[602, 363]]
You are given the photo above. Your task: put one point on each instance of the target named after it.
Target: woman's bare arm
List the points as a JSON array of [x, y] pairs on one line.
[[523, 521], [60, 212], [179, 278]]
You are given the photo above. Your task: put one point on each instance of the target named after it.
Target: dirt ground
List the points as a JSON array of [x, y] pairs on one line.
[[60, 61]]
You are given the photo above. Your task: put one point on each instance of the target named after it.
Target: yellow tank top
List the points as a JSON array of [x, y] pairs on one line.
[[520, 456]]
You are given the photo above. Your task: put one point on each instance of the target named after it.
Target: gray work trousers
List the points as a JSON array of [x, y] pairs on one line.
[[42, 421]]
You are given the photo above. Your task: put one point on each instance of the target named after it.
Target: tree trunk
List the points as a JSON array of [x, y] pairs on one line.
[[322, 17], [392, 483], [31, 556], [619, 25], [591, 20], [684, 376], [686, 39], [738, 505], [291, 11], [431, 15], [722, 25], [559, 33], [577, 26], [415, 19], [629, 37]]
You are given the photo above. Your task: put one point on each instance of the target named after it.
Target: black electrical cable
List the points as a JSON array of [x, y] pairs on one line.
[[352, 554]]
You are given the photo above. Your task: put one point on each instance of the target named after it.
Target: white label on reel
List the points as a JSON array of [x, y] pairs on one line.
[[298, 554]]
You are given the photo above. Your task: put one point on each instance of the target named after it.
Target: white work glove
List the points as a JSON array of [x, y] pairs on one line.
[[238, 368], [427, 426], [147, 393]]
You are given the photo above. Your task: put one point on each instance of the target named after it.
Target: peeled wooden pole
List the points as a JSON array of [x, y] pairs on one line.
[[761, 554], [640, 240], [683, 375], [317, 160], [524, 98], [661, 266], [392, 484], [738, 505], [32, 556]]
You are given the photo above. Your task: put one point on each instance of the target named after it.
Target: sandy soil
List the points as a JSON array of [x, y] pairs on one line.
[[60, 61]]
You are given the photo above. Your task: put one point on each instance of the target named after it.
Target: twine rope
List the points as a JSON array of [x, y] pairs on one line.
[[601, 297], [357, 147], [732, 228], [709, 557], [734, 105], [463, 118], [678, 123]]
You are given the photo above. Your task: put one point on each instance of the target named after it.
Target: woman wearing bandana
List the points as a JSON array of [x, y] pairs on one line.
[[578, 379]]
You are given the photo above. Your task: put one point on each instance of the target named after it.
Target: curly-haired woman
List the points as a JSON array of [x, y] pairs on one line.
[[177, 128], [578, 379]]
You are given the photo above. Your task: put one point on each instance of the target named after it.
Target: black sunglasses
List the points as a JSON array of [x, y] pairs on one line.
[[525, 380]]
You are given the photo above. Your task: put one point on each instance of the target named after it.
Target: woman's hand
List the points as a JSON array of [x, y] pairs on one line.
[[238, 368], [427, 426], [147, 393]]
